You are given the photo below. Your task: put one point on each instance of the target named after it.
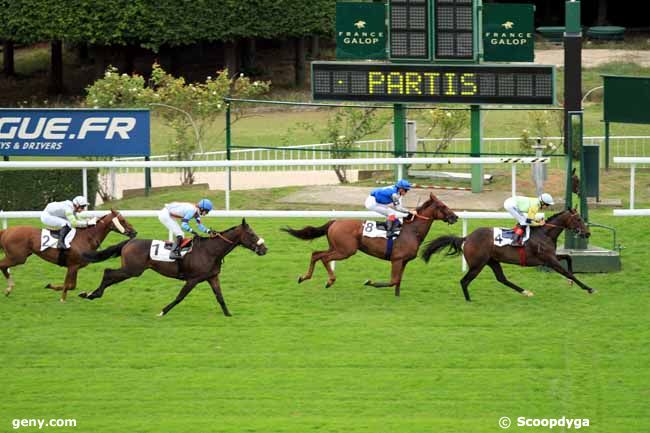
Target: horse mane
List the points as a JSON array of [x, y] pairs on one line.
[[555, 215], [425, 204]]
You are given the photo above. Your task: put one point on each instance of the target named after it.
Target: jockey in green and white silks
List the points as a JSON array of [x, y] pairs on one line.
[[185, 212], [524, 210], [388, 201], [62, 216]]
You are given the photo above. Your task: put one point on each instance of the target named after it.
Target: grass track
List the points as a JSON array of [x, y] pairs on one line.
[[345, 359]]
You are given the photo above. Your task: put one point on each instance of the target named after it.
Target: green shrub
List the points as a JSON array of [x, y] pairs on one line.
[[32, 190]]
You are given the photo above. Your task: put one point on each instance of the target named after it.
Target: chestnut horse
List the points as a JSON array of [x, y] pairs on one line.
[[21, 242], [479, 250], [345, 237]]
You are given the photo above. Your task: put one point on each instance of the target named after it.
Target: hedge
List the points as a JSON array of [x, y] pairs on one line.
[[33, 189]]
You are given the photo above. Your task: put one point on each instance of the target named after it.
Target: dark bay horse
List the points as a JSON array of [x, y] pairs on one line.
[[345, 237], [203, 263], [21, 242], [479, 250]]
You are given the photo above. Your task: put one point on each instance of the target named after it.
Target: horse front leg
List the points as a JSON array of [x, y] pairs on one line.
[[185, 290], [70, 282], [315, 256], [216, 289], [397, 270], [5, 264], [555, 264]]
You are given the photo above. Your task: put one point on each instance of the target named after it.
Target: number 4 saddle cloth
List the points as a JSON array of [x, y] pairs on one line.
[[503, 237], [160, 250]]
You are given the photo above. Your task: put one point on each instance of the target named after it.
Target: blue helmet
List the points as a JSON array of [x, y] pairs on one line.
[[205, 204], [404, 184]]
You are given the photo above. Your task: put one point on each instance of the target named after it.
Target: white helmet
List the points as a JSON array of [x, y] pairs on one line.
[[80, 201], [546, 198]]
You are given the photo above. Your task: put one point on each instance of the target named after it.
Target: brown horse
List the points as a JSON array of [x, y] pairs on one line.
[[345, 237], [21, 242], [479, 250], [203, 263]]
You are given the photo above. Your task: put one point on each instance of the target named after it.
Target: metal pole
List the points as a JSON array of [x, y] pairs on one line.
[[228, 145], [632, 170], [84, 182], [476, 136], [514, 179], [606, 146], [399, 135], [464, 263], [147, 178], [113, 184]]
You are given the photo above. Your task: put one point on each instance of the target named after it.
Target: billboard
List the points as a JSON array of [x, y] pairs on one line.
[[69, 132]]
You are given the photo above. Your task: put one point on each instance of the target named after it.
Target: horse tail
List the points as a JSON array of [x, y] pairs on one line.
[[100, 256], [455, 246], [309, 232]]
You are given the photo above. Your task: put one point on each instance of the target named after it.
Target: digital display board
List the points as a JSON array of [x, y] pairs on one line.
[[453, 29], [409, 29], [471, 84]]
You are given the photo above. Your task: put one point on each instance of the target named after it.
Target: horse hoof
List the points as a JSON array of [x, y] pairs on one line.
[[48, 286], [569, 281], [161, 314], [367, 283], [528, 293], [328, 285], [592, 291], [63, 301], [83, 295], [300, 280]]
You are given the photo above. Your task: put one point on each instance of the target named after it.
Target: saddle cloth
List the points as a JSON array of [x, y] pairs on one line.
[[374, 229], [503, 237], [160, 250], [49, 238]]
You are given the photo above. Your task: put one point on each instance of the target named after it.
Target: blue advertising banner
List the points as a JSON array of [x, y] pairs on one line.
[[66, 132]]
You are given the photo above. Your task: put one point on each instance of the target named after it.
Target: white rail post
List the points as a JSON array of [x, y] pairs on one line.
[[84, 176], [113, 184], [462, 256], [632, 170], [4, 223], [514, 179]]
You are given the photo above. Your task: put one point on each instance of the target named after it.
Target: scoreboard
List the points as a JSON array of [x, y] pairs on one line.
[[431, 83]]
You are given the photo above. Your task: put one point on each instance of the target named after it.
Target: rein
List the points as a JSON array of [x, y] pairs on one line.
[[219, 235]]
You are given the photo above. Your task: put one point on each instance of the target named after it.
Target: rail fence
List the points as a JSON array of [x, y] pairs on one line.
[[373, 149], [633, 162]]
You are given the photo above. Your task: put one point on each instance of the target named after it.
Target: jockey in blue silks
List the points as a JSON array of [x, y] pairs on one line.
[[388, 202], [185, 212]]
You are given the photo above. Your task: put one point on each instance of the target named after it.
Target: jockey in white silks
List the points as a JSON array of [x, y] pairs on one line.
[[388, 202], [524, 210], [185, 212], [62, 216]]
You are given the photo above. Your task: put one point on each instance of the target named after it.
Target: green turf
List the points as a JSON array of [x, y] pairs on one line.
[[301, 358]]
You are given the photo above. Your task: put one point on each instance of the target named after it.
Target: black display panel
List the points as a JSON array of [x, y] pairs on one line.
[[409, 29], [471, 84], [453, 29]]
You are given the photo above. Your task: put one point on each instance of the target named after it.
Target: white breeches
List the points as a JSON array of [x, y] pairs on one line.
[[371, 204], [169, 222], [511, 206], [53, 221]]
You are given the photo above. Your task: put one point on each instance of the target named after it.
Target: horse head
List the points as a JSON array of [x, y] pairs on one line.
[[249, 239], [435, 209], [571, 220], [117, 223]]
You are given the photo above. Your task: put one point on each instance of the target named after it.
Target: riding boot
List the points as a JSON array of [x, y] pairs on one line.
[[518, 236], [175, 254], [391, 227], [63, 232]]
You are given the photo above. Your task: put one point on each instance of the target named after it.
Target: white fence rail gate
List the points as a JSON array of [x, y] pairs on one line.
[[633, 161]]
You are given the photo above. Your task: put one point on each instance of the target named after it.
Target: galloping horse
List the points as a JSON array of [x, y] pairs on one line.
[[20, 242], [345, 237], [203, 263], [479, 250]]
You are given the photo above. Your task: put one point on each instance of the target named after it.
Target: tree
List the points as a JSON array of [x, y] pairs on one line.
[[183, 106]]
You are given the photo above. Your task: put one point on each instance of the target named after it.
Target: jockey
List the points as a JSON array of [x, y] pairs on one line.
[[388, 201], [185, 212], [524, 210], [62, 216]]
